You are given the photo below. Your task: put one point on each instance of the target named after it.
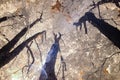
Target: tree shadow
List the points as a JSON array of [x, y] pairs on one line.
[[63, 64], [5, 49], [29, 54], [100, 69], [48, 69], [94, 5], [116, 2], [8, 17], [108, 30], [4, 59], [62, 67], [6, 54]]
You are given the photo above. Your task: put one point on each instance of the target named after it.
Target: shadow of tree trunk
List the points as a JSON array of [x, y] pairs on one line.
[[108, 30], [48, 69], [4, 59], [5, 49], [6, 55]]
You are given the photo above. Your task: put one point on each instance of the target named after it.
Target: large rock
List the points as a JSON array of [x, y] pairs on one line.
[[87, 56]]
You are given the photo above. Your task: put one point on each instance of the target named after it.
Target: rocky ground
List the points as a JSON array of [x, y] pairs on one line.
[[88, 56]]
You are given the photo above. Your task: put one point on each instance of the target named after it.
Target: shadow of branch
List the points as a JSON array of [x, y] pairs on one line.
[[5, 49], [11, 55]]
